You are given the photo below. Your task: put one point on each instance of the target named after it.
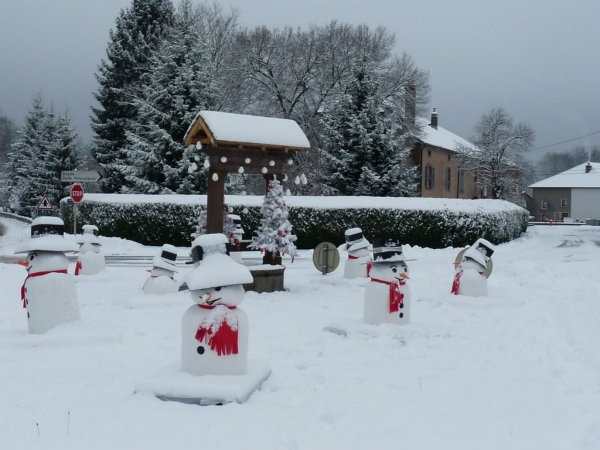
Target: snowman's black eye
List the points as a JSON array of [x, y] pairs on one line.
[[218, 288], [394, 270], [31, 256]]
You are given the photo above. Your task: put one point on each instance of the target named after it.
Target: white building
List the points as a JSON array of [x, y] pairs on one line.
[[574, 193]]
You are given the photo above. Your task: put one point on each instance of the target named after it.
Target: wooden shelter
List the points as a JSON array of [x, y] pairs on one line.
[[244, 144]]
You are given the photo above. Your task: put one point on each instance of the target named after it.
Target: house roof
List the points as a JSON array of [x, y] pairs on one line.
[[441, 137], [228, 129], [575, 177]]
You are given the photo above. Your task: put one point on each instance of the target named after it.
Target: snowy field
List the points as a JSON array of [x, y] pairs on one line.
[[519, 369]]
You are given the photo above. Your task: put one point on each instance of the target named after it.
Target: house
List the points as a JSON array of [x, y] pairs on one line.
[[574, 193], [439, 173]]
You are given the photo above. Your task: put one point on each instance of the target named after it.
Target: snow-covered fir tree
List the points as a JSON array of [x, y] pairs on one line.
[[365, 150], [45, 146], [201, 225], [138, 31], [180, 84], [274, 235]]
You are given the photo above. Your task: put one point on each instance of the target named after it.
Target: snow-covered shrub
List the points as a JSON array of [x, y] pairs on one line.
[[435, 223]]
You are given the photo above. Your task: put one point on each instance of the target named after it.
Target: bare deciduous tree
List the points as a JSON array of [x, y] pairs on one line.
[[497, 157]]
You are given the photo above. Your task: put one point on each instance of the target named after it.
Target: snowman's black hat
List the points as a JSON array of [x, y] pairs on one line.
[[47, 234], [166, 259], [353, 235], [207, 244], [355, 239], [44, 226], [485, 245], [386, 250], [91, 229]]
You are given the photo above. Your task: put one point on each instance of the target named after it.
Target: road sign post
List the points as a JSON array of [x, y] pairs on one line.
[[76, 193], [45, 204], [326, 257]]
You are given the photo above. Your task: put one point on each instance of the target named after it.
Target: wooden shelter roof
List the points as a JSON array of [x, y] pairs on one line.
[[221, 129]]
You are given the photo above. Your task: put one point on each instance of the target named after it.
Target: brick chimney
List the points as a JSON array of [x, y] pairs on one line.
[[434, 119], [588, 167]]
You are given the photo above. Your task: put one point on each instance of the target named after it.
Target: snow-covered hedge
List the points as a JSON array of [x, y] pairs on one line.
[[435, 223]]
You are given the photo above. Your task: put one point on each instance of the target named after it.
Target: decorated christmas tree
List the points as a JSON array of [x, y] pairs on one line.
[[201, 226], [274, 237]]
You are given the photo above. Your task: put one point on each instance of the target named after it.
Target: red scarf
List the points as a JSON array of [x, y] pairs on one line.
[[369, 264], [456, 282], [36, 274], [77, 267], [396, 297], [223, 339]]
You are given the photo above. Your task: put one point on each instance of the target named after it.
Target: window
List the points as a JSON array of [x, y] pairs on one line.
[[429, 177], [461, 180], [449, 156], [428, 152], [544, 204], [563, 202], [448, 178]]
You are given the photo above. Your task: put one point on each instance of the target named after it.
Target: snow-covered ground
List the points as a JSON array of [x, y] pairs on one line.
[[517, 369]]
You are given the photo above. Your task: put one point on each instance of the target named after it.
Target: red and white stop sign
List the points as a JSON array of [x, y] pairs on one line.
[[77, 193]]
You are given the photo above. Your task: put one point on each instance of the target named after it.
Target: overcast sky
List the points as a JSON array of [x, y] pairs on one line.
[[539, 59]]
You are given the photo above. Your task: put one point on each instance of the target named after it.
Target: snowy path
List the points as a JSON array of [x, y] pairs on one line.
[[518, 369]]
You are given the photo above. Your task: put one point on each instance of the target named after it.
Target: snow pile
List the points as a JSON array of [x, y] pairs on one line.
[[516, 369]]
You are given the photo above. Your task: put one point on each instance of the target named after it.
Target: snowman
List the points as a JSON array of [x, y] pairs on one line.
[[473, 267], [214, 329], [90, 259], [162, 275], [48, 292], [358, 263], [387, 296], [235, 237]]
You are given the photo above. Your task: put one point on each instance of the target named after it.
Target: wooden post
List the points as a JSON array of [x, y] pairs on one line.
[[214, 202]]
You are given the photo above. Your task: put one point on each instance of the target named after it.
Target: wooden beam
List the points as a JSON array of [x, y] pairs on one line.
[[214, 202]]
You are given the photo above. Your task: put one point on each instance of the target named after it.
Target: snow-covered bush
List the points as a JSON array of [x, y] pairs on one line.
[[435, 223]]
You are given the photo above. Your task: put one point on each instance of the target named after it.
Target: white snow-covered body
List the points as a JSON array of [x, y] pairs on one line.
[[48, 292], [214, 338], [214, 330], [162, 275], [387, 296], [473, 269]]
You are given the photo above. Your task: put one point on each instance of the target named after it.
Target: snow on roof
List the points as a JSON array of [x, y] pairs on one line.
[[319, 202], [440, 137], [244, 128], [576, 177]]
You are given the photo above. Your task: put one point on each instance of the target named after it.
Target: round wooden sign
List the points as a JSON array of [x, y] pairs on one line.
[[488, 269], [326, 257]]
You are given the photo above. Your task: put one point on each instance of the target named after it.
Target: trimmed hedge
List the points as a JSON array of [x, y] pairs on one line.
[[156, 223]]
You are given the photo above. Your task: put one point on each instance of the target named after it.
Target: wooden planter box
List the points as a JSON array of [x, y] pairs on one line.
[[266, 278]]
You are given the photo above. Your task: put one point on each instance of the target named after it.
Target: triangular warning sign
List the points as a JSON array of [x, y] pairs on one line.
[[45, 204]]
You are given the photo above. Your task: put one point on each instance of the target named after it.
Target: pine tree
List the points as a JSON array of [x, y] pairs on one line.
[[274, 235], [46, 145], [19, 183], [138, 31], [365, 151], [180, 84]]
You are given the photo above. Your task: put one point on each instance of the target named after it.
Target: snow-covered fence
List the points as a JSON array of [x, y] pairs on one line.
[[426, 222]]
